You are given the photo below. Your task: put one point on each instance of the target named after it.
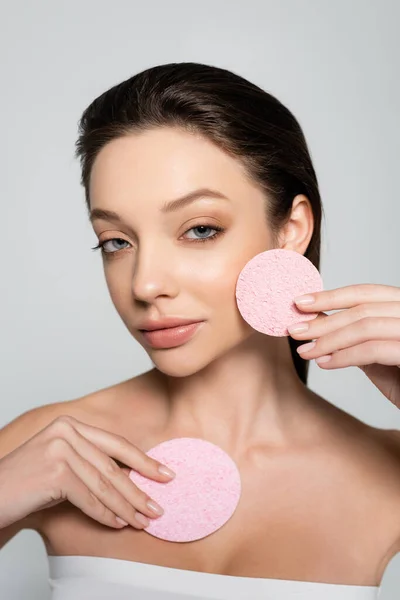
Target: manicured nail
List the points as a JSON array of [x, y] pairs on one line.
[[155, 507], [298, 328], [304, 299], [165, 471], [142, 519], [323, 359], [306, 347], [119, 520]]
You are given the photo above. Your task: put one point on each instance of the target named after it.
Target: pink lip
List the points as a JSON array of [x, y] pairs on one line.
[[171, 337]]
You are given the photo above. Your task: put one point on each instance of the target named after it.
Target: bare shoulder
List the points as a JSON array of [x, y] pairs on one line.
[[133, 403], [382, 473], [375, 453], [92, 408], [389, 441], [390, 438], [368, 465], [26, 425], [388, 460]]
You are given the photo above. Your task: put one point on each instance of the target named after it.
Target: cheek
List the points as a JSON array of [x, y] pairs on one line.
[[215, 281], [117, 284]]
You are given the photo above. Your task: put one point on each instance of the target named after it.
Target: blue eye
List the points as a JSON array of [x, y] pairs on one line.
[[211, 237], [218, 230], [102, 245]]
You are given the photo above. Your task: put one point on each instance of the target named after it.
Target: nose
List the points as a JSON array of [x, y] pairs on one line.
[[153, 275]]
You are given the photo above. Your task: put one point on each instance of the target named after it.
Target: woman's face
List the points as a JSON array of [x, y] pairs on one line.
[[159, 264]]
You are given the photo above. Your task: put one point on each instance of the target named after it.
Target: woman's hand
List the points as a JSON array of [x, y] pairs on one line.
[[70, 460], [367, 335]]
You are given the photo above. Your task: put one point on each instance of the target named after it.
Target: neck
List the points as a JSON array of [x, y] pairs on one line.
[[251, 396]]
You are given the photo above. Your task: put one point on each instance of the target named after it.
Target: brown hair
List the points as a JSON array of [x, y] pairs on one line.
[[238, 116]]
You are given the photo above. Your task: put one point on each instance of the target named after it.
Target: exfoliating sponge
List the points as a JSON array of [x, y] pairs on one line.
[[203, 495], [267, 286]]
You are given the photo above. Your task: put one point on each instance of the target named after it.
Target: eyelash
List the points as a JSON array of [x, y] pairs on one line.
[[219, 231]]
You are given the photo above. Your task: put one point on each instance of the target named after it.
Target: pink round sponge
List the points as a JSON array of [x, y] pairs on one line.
[[267, 285], [203, 495]]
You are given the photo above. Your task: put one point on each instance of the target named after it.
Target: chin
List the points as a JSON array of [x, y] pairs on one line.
[[174, 366], [187, 360]]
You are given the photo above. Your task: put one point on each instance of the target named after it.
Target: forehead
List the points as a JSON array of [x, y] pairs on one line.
[[162, 163]]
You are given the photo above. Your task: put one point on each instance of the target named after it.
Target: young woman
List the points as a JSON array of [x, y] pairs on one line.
[[189, 171]]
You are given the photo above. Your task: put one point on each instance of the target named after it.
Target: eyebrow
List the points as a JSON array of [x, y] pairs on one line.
[[168, 207]]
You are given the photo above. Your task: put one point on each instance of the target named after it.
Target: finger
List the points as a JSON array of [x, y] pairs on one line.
[[381, 352], [79, 495], [349, 296], [73, 488], [130, 498], [323, 325], [96, 496], [307, 327], [120, 448], [368, 329]]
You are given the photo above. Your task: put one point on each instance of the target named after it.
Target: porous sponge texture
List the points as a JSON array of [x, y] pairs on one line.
[[267, 285], [201, 498]]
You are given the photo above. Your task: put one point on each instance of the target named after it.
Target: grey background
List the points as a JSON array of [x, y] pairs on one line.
[[334, 64]]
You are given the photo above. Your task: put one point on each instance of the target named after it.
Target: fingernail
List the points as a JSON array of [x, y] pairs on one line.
[[304, 299], [298, 328], [142, 519], [323, 359], [155, 507], [306, 347], [121, 521], [166, 471]]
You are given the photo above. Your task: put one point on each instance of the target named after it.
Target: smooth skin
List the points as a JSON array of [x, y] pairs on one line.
[[320, 489]]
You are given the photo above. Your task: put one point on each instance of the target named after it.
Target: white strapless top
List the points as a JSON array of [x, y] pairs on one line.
[[97, 578]]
